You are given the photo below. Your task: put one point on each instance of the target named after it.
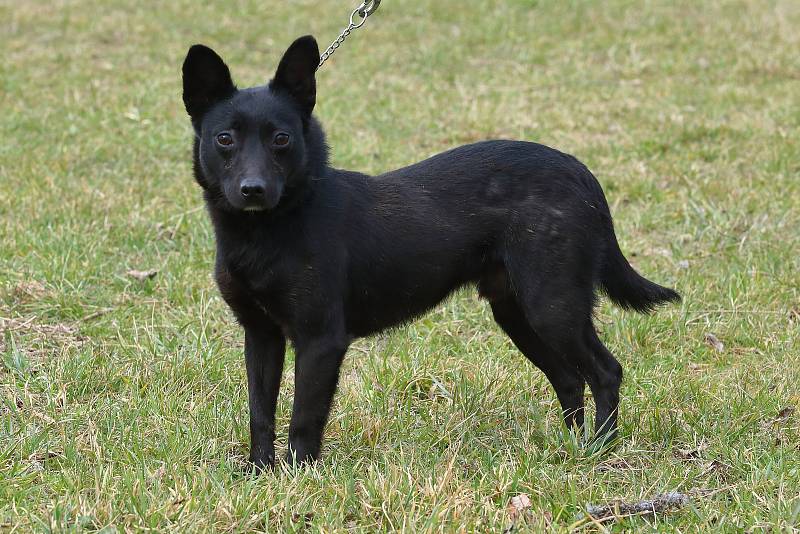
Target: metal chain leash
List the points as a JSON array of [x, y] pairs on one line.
[[367, 8]]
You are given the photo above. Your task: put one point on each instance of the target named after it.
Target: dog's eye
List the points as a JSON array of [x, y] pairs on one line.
[[281, 139], [225, 139]]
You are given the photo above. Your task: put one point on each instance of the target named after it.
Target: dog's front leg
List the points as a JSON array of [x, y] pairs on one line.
[[316, 375], [264, 352]]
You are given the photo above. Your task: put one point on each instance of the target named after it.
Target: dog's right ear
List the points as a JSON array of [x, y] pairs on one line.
[[206, 81]]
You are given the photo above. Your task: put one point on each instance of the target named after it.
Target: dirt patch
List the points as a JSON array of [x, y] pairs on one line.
[[35, 337], [27, 292]]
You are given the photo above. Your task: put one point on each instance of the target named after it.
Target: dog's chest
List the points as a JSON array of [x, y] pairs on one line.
[[254, 267], [277, 278]]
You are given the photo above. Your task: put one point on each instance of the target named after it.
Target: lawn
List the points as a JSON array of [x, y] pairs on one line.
[[123, 404]]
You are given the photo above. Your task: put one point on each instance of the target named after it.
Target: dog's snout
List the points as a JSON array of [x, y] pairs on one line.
[[253, 189]]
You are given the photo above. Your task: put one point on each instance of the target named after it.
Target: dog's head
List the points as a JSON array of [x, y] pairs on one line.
[[254, 147]]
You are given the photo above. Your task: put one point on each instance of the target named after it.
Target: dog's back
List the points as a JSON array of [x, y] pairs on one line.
[[453, 217]]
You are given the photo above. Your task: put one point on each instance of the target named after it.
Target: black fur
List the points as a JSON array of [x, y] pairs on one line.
[[319, 256]]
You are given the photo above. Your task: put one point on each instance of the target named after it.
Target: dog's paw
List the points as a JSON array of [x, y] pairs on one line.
[[300, 454], [258, 464]]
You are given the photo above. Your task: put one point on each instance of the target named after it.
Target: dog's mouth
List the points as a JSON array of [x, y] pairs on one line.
[[267, 203]]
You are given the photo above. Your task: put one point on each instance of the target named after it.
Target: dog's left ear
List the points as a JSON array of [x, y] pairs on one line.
[[295, 73]]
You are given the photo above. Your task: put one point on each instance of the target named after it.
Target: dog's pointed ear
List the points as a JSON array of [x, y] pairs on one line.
[[295, 74], [206, 81]]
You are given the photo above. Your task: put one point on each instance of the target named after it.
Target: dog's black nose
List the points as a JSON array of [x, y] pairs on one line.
[[252, 189]]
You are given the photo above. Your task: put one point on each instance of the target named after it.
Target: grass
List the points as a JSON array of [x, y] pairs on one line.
[[123, 403]]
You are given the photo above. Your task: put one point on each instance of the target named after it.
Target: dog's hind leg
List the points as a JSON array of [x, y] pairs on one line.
[[607, 397], [572, 336], [564, 377], [552, 282]]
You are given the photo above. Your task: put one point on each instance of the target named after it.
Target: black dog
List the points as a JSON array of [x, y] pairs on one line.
[[320, 256]]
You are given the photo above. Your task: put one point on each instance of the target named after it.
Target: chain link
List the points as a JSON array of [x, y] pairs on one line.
[[367, 8]]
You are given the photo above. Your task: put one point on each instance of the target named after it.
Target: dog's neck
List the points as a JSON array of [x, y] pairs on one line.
[[316, 148]]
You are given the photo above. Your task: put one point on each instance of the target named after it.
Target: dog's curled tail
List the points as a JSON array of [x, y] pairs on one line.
[[628, 288]]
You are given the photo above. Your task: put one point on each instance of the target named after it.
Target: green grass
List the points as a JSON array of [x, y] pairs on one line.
[[123, 403]]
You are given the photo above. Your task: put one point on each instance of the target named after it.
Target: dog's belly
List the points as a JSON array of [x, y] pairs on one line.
[[370, 313], [389, 295]]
